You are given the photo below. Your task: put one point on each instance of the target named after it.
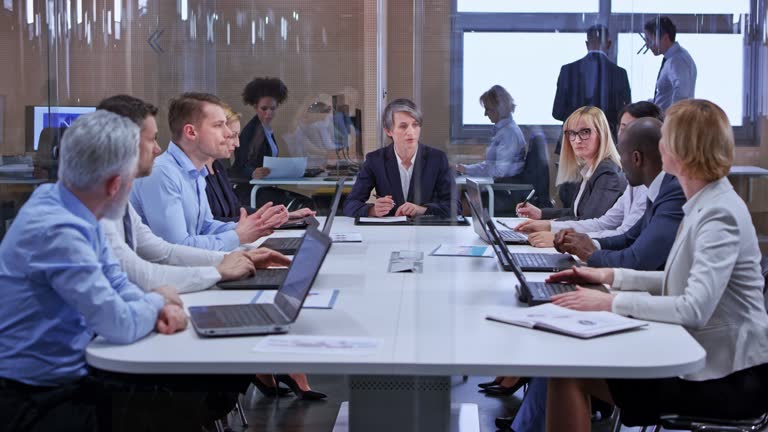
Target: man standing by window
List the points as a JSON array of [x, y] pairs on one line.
[[677, 76]]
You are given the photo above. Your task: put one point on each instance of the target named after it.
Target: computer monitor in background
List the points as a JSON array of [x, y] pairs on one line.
[[43, 116]]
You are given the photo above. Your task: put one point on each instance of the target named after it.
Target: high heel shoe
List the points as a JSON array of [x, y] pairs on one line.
[[495, 382], [301, 394], [268, 390], [500, 390]]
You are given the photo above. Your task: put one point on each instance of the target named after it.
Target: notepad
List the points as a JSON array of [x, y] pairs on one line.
[[386, 219], [464, 251], [347, 237], [569, 322]]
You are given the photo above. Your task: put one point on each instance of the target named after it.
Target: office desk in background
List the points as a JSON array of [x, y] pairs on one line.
[[750, 172], [431, 326], [319, 182]]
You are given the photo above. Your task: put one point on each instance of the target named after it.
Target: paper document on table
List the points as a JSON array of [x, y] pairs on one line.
[[285, 167], [567, 321], [313, 345], [386, 219], [319, 299], [466, 251], [347, 237]]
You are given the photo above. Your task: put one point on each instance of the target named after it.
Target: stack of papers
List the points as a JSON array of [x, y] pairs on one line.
[[566, 321], [347, 237], [386, 219]]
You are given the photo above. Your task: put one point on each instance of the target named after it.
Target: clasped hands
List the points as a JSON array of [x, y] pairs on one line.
[[383, 205], [261, 223]]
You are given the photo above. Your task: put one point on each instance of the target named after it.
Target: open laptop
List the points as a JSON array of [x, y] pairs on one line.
[[533, 293], [289, 245], [476, 206], [534, 262], [268, 318]]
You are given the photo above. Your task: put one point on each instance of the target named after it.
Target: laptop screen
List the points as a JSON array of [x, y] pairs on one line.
[[302, 272], [334, 206], [502, 247]]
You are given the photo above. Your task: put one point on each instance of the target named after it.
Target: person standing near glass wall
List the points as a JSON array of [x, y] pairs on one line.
[[677, 76]]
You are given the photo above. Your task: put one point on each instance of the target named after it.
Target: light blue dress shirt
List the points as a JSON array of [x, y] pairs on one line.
[[60, 285], [173, 203], [505, 156], [677, 79]]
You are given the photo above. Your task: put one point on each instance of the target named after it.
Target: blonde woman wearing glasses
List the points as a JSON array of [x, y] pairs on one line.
[[589, 157]]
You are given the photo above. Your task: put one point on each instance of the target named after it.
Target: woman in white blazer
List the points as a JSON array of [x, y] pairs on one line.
[[711, 285]]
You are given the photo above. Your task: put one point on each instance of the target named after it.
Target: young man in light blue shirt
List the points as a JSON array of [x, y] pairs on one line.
[[61, 286], [677, 75], [172, 200]]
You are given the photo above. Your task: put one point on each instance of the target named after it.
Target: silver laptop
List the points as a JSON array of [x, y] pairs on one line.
[[289, 245], [476, 206], [268, 318]]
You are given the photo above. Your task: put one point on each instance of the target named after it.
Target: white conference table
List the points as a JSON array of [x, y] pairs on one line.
[[430, 325], [750, 172], [320, 181]]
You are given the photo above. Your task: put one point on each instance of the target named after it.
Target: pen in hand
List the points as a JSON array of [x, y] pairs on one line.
[[525, 201]]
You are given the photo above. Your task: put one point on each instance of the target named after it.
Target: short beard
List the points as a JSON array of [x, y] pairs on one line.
[[117, 208]]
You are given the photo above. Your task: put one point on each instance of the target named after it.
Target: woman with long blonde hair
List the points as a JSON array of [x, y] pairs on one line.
[[588, 157]]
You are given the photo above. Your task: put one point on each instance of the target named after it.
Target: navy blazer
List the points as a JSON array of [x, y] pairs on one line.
[[432, 183], [603, 188], [251, 137], [592, 80], [646, 245], [225, 206]]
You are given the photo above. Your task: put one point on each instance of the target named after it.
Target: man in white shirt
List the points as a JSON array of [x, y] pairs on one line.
[[150, 261]]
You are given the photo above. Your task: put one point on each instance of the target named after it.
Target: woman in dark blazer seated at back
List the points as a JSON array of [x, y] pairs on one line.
[[224, 203], [410, 179], [588, 157], [711, 285]]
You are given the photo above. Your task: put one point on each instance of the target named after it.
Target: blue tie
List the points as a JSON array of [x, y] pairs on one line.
[[128, 228]]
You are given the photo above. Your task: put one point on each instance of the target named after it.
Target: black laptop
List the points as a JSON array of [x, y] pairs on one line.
[[476, 206], [268, 318], [533, 262], [533, 293], [289, 245]]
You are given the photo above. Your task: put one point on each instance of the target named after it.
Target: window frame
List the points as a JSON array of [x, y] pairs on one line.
[[746, 135]]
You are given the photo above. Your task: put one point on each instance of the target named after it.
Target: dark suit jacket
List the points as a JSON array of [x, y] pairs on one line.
[[253, 147], [592, 80], [600, 194], [225, 205], [647, 244], [432, 183]]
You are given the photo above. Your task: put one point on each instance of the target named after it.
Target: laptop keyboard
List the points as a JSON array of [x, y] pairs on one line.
[[513, 235], [547, 290], [270, 276], [243, 315], [532, 260]]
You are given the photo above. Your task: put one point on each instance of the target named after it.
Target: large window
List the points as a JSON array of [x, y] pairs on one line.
[[522, 45]]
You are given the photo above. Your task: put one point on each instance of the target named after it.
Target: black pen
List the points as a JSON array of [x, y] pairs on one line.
[[499, 221]]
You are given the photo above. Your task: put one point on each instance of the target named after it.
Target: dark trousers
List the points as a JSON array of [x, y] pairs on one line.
[[117, 402]]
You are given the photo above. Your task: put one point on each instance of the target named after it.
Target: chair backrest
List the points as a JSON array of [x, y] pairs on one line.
[[536, 169]]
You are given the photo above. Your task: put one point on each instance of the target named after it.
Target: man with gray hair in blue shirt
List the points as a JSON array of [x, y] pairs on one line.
[[60, 286]]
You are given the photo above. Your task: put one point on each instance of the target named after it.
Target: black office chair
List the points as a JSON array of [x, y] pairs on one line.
[[535, 172]]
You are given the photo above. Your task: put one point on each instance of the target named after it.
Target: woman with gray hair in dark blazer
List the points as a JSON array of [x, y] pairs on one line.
[[588, 157], [711, 285]]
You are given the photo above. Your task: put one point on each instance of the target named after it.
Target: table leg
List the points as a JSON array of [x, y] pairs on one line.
[[254, 189], [749, 189], [491, 199], [404, 403]]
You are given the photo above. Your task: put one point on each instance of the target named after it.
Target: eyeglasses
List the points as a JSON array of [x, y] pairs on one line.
[[584, 134]]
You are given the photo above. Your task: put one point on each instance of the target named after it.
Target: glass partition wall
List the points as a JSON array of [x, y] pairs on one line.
[[343, 60]]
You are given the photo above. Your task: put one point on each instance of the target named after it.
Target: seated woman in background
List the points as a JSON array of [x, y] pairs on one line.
[[711, 285], [588, 157], [257, 140], [411, 179], [505, 156], [224, 203]]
